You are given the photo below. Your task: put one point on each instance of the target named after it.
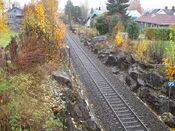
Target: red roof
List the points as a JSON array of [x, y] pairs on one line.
[[159, 19]]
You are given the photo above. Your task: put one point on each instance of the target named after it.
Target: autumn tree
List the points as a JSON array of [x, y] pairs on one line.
[[3, 25], [45, 33]]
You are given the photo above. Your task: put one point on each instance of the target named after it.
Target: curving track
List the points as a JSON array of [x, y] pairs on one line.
[[125, 118]]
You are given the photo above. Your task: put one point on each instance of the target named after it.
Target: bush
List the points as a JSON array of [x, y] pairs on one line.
[[159, 34], [141, 51], [133, 30], [102, 25], [112, 23], [156, 51], [119, 27]]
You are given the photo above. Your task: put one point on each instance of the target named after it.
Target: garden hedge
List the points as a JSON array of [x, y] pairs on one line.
[[165, 34]]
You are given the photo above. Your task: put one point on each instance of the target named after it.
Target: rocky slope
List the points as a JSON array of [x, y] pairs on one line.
[[144, 79]]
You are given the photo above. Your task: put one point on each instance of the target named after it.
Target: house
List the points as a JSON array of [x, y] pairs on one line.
[[166, 10], [157, 18], [134, 14], [14, 17], [97, 12]]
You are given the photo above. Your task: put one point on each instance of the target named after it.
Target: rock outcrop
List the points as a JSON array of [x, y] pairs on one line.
[[141, 78], [76, 116]]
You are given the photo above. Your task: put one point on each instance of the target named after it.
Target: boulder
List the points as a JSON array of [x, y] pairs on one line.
[[95, 51], [158, 102], [100, 38], [62, 77], [103, 54], [87, 43], [92, 126], [132, 83], [122, 76], [111, 60], [172, 107], [66, 94], [134, 72], [70, 124], [77, 111], [130, 59], [168, 119], [143, 93], [153, 79], [141, 82], [115, 70], [145, 65], [122, 63]]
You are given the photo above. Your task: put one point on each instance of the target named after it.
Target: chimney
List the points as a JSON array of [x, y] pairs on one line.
[[173, 8], [166, 7]]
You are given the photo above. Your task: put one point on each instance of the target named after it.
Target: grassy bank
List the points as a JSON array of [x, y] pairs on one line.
[[5, 38]]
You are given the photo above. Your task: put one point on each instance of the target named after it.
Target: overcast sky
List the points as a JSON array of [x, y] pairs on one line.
[[96, 3]]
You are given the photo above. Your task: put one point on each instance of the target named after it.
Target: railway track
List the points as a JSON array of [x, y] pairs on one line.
[[125, 118]]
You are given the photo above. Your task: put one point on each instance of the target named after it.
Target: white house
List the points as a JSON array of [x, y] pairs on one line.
[[97, 12], [134, 14]]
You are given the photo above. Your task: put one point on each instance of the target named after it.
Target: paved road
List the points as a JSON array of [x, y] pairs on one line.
[[122, 111]]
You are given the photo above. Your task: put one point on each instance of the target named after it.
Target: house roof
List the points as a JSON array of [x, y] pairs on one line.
[[159, 19], [14, 8], [154, 11], [134, 13]]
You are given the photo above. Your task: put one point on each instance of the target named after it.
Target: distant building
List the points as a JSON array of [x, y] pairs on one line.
[[166, 10], [134, 14], [157, 18], [97, 12], [14, 18]]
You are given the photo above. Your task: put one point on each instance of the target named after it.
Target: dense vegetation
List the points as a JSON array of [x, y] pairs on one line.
[[26, 102], [164, 34], [118, 7]]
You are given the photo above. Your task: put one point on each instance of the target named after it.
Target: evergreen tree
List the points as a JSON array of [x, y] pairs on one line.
[[133, 30], [69, 8], [76, 12], [118, 7]]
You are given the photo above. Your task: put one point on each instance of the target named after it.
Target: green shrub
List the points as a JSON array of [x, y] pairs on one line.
[[156, 51], [159, 33], [112, 23], [133, 30], [102, 25]]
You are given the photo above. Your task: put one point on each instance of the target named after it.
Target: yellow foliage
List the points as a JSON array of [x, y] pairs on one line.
[[41, 17], [3, 25], [120, 27], [169, 62], [119, 39], [59, 33], [141, 51]]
